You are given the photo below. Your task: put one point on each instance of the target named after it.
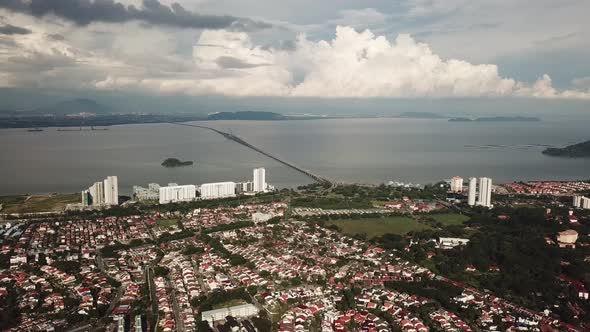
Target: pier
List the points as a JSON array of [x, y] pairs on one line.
[[315, 177]]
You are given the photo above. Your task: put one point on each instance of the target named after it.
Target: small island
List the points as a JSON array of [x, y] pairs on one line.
[[580, 150], [173, 162], [497, 119]]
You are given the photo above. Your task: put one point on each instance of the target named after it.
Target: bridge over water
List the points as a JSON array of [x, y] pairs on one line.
[[237, 139]]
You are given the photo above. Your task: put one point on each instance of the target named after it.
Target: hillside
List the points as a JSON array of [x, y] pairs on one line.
[[580, 150], [75, 106]]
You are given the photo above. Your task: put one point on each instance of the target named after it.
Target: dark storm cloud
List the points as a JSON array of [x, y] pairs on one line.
[[84, 12], [13, 30]]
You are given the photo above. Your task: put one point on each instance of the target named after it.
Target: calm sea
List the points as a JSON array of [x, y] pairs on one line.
[[347, 150]]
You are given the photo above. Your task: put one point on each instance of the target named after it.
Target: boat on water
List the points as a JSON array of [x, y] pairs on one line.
[[34, 130]]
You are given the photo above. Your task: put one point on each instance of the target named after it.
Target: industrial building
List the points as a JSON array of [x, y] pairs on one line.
[[239, 311]]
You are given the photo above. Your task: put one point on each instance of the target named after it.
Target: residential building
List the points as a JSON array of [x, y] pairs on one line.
[[152, 192], [111, 190], [102, 193], [218, 190], [457, 184], [259, 180], [244, 187], [86, 198], [472, 191], [96, 194], [176, 193], [485, 192], [577, 201]]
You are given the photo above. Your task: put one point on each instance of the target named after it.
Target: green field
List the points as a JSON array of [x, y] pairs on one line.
[[37, 203], [167, 223], [450, 219], [378, 226]]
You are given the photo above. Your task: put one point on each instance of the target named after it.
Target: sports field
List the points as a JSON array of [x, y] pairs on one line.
[[378, 226], [450, 219]]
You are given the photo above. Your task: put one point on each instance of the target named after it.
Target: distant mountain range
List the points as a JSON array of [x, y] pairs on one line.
[[580, 150], [497, 119], [73, 107], [246, 115], [422, 115]]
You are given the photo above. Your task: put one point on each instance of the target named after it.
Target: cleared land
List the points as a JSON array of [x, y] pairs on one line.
[[450, 219], [378, 226], [37, 203]]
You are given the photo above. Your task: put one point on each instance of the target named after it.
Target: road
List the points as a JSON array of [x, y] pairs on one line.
[[177, 312]]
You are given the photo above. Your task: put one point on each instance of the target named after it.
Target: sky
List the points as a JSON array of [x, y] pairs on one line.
[[534, 49]]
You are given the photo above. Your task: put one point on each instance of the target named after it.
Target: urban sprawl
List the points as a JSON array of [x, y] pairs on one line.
[[247, 257]]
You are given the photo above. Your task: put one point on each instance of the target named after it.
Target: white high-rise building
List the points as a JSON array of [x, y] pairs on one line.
[[485, 192], [86, 199], [472, 191], [96, 194], [577, 201], [218, 190], [102, 193], [172, 194], [111, 190], [585, 203], [259, 180], [457, 184]]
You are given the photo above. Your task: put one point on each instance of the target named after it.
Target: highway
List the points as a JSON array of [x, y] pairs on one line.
[[315, 177]]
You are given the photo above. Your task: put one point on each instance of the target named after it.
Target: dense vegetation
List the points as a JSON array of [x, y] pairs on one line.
[[526, 268], [580, 150], [173, 162]]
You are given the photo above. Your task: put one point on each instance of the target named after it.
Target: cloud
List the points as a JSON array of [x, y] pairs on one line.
[[582, 82], [84, 12], [353, 64], [8, 29]]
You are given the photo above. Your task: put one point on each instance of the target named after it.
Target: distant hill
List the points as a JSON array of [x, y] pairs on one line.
[[421, 115], [580, 150], [247, 115], [73, 107], [497, 119]]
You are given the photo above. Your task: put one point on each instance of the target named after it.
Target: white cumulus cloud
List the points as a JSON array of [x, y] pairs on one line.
[[352, 64]]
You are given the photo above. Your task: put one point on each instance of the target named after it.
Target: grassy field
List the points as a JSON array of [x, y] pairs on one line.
[[37, 203], [167, 222], [378, 226], [450, 219], [229, 303]]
